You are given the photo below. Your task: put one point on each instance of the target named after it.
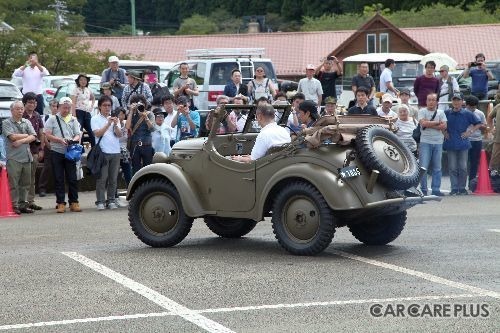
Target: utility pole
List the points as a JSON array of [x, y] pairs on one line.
[[60, 8], [132, 10]]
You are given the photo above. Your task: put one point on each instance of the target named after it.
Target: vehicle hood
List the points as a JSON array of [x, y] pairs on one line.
[[192, 144]]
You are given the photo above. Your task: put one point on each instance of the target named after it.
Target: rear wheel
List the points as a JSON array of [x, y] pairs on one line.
[[229, 227], [379, 231], [156, 214], [302, 221]]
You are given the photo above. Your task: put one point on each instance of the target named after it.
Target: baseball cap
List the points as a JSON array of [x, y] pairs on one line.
[[445, 68], [387, 98], [330, 100], [113, 59], [65, 100], [310, 66], [457, 96], [405, 91]]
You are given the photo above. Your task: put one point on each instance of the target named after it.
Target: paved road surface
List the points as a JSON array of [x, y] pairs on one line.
[[87, 272]]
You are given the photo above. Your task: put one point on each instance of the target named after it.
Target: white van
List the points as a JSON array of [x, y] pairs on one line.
[[211, 69], [407, 69]]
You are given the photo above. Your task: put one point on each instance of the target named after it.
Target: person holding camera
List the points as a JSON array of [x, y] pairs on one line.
[[135, 87], [187, 121], [19, 133], [327, 74], [32, 73], [186, 86], [37, 146], [62, 130], [106, 127], [480, 75], [140, 123], [114, 76]]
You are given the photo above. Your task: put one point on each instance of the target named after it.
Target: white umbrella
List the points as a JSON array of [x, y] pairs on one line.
[[440, 59]]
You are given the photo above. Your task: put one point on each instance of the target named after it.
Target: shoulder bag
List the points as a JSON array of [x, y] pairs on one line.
[[417, 131], [129, 141], [74, 150]]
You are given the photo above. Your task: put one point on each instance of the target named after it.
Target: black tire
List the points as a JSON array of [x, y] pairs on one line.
[[229, 227], [379, 231], [379, 149], [303, 223], [156, 215]]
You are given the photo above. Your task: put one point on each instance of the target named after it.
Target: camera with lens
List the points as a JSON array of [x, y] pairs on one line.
[[71, 142], [116, 82], [115, 113], [37, 142], [141, 107], [475, 64]]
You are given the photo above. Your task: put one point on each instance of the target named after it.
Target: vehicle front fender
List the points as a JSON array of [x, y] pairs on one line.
[[176, 176], [338, 194]]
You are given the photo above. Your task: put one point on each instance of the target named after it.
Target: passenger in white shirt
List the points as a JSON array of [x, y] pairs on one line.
[[385, 109], [271, 135], [32, 74], [108, 131]]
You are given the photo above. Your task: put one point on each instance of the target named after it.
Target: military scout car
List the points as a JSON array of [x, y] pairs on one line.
[[345, 171]]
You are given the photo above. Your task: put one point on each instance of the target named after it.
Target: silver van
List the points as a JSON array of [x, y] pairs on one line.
[[211, 69]]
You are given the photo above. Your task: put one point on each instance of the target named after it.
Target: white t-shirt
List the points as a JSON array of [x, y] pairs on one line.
[[271, 135], [32, 79], [405, 132], [385, 77], [390, 114], [172, 131], [311, 88], [477, 135], [110, 143], [431, 135]]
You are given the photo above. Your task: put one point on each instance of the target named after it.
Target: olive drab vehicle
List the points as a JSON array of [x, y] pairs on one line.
[[344, 171]]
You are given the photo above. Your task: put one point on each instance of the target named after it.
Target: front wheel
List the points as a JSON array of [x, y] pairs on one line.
[[379, 231], [156, 214], [303, 223], [229, 227]]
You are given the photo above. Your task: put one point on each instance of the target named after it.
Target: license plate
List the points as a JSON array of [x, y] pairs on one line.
[[349, 172]]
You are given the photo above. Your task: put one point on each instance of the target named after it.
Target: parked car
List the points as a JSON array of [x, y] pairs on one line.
[[66, 89], [211, 69], [362, 177], [8, 94]]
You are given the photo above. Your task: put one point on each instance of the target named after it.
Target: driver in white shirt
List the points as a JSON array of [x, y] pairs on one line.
[[271, 135]]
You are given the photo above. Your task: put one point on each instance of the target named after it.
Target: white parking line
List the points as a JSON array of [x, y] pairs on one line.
[[426, 276], [163, 301], [239, 308], [494, 230]]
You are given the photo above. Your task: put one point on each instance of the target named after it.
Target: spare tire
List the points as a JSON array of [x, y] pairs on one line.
[[379, 149]]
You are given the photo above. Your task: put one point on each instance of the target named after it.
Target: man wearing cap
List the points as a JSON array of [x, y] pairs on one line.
[[432, 122], [404, 96], [330, 106], [311, 87], [363, 79], [60, 129], [135, 86], [114, 76], [457, 144], [186, 120], [271, 135], [448, 87], [19, 133], [307, 114], [385, 109], [476, 138], [328, 76], [32, 73], [362, 106]]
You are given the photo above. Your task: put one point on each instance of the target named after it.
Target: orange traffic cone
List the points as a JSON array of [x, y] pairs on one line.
[[483, 180], [5, 198]]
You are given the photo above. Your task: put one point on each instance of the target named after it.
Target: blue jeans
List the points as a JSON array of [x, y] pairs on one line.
[[430, 156], [474, 157], [457, 166]]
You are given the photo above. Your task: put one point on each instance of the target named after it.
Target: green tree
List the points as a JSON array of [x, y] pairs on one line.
[[197, 25]]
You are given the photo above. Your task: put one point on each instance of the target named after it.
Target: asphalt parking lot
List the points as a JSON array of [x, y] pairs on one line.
[[87, 272]]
